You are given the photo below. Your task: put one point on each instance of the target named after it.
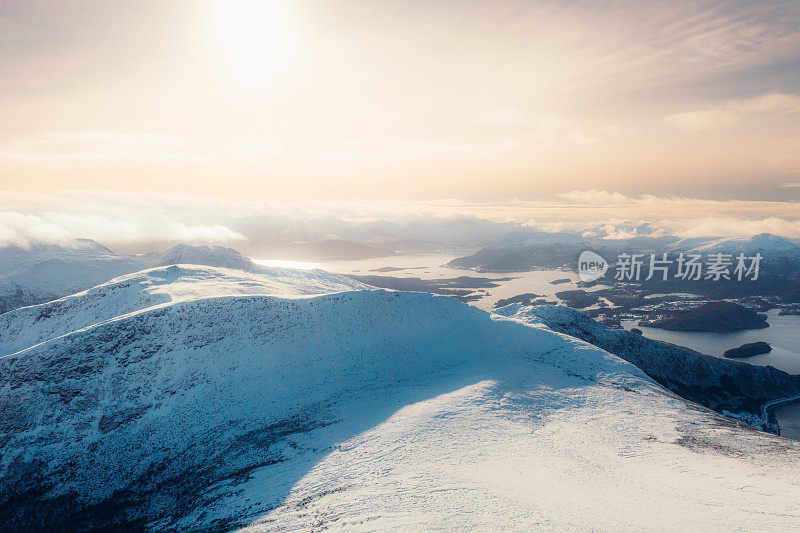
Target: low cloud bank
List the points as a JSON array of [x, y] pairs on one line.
[[139, 221]]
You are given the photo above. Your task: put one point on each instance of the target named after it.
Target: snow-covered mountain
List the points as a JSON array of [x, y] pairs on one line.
[[189, 254], [766, 244], [154, 288], [43, 272], [779, 267], [189, 398]]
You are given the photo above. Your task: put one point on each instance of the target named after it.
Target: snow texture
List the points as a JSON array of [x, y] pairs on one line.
[[186, 398]]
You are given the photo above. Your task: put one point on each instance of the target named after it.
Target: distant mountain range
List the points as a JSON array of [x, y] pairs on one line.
[[42, 272], [779, 272], [326, 238]]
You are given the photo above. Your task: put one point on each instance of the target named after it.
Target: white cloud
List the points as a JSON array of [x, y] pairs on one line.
[[65, 148], [702, 120], [769, 103], [124, 219], [78, 149], [506, 116], [409, 149], [615, 213], [595, 197], [146, 220], [22, 228], [733, 112], [558, 130]]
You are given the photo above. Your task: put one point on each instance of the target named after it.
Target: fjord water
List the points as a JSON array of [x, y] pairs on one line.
[[789, 420], [432, 266], [783, 334]]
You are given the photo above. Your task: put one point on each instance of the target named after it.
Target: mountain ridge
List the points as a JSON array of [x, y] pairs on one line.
[[156, 287]]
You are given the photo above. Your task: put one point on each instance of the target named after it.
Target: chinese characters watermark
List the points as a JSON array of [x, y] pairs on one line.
[[686, 266]]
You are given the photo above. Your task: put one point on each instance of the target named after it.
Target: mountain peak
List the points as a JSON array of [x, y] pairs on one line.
[[194, 254], [89, 244]]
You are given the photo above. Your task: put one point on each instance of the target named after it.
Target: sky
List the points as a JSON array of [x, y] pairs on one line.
[[472, 103]]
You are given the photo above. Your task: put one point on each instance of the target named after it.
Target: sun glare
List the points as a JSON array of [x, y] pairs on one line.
[[253, 33]]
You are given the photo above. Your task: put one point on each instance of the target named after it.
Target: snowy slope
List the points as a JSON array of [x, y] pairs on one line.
[[361, 410], [766, 244], [155, 287], [42, 272]]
